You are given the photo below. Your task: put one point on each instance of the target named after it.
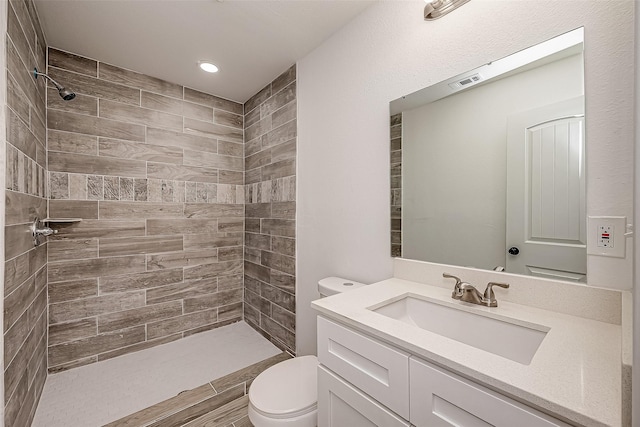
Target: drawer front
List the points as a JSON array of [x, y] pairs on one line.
[[340, 404], [443, 399], [375, 368]]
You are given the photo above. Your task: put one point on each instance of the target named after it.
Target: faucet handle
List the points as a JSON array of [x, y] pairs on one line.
[[488, 293], [451, 276]]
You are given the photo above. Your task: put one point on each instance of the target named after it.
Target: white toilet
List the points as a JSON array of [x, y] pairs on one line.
[[286, 393]]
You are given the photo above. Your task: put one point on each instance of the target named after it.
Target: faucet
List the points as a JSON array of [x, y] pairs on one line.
[[466, 292]]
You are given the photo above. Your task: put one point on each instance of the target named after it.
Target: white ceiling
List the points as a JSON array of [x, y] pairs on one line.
[[252, 42]]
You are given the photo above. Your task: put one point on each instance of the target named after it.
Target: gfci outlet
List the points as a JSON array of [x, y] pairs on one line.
[[607, 236]]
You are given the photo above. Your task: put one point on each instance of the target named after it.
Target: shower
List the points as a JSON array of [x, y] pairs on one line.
[[65, 93]]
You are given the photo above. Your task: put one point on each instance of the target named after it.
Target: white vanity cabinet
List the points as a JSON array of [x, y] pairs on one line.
[[364, 382]]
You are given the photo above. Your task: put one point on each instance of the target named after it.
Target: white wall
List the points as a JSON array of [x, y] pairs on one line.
[[344, 88], [636, 276], [454, 165]]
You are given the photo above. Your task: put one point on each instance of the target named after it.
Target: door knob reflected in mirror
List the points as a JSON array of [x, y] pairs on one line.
[[513, 250]]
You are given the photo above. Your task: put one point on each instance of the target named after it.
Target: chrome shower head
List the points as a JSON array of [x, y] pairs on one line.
[[65, 93]]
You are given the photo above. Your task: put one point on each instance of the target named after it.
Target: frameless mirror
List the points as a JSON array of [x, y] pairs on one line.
[[488, 168]]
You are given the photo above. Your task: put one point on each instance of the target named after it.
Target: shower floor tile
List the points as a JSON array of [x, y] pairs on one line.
[[99, 393]]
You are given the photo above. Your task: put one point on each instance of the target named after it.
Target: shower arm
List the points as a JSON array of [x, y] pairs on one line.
[[36, 73]]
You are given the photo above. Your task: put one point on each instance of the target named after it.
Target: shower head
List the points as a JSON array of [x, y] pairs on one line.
[[65, 93]]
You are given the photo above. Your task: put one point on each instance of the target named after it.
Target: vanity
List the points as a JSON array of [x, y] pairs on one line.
[[402, 352]]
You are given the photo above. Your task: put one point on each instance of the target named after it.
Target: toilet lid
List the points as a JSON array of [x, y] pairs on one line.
[[287, 387]]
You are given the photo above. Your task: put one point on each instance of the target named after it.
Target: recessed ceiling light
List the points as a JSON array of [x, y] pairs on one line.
[[208, 67]]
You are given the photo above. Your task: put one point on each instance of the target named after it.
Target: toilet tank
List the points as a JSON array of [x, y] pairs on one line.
[[335, 285]]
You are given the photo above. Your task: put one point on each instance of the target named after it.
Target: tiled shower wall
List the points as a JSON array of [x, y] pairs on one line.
[[155, 172], [25, 284], [396, 185], [270, 174]]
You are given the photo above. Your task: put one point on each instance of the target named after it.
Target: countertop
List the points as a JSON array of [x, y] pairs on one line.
[[575, 375]]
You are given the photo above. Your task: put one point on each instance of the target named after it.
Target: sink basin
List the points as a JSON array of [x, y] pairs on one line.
[[502, 336]]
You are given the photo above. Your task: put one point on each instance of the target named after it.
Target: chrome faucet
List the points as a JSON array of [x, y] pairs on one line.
[[466, 292]]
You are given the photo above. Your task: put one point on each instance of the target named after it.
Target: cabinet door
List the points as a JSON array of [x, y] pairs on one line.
[[379, 370], [340, 404], [442, 399]]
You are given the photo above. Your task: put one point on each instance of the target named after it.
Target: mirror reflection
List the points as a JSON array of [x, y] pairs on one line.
[[487, 168]]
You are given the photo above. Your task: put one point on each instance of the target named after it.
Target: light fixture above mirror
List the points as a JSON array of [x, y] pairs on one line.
[[438, 8]]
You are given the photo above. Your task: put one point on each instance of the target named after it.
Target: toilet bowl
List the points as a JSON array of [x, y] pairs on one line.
[[286, 394]]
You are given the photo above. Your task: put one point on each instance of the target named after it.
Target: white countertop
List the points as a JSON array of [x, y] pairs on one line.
[[575, 375]]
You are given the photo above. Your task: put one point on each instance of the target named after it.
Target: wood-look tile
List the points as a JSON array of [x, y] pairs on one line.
[[176, 106], [23, 76], [139, 245], [205, 210], [97, 165], [229, 225], [253, 176], [19, 135], [138, 151], [211, 160], [181, 140], [138, 316], [224, 415], [68, 61], [247, 374], [211, 130], [257, 160], [211, 240], [283, 245], [136, 210], [258, 210], [73, 364], [20, 11], [138, 346], [179, 291], [285, 318], [282, 334], [252, 255], [14, 338], [257, 99], [18, 37], [279, 262], [259, 241], [212, 101], [17, 302], [278, 296], [94, 306], [99, 88], [72, 142], [284, 133], [82, 104], [60, 250], [92, 228], [242, 422], [138, 115], [226, 118], [217, 299], [230, 282], [230, 149], [252, 316], [165, 408], [63, 271], [284, 79], [181, 226], [140, 281], [17, 270], [17, 240], [78, 123], [16, 100], [279, 170], [278, 227], [181, 323], [256, 271], [70, 331], [278, 100], [209, 271], [73, 209], [21, 208], [81, 348], [284, 114], [71, 290], [137, 80], [231, 311], [181, 259], [283, 210], [181, 173], [284, 151]]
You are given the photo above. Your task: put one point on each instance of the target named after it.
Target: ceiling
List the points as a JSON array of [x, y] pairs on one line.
[[251, 42]]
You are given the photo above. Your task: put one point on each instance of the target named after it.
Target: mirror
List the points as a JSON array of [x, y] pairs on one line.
[[488, 168]]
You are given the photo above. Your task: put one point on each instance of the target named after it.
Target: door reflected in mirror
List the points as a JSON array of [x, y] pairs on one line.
[[488, 168]]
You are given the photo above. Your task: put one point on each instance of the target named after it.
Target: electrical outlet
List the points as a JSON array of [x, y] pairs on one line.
[[606, 236]]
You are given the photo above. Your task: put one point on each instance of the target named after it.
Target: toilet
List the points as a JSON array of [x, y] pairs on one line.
[[286, 394]]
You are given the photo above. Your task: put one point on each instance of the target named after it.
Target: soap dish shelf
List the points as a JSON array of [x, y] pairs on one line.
[[40, 229]]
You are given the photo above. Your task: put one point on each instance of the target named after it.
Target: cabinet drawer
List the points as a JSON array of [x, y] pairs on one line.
[[375, 368], [340, 404], [442, 399]]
